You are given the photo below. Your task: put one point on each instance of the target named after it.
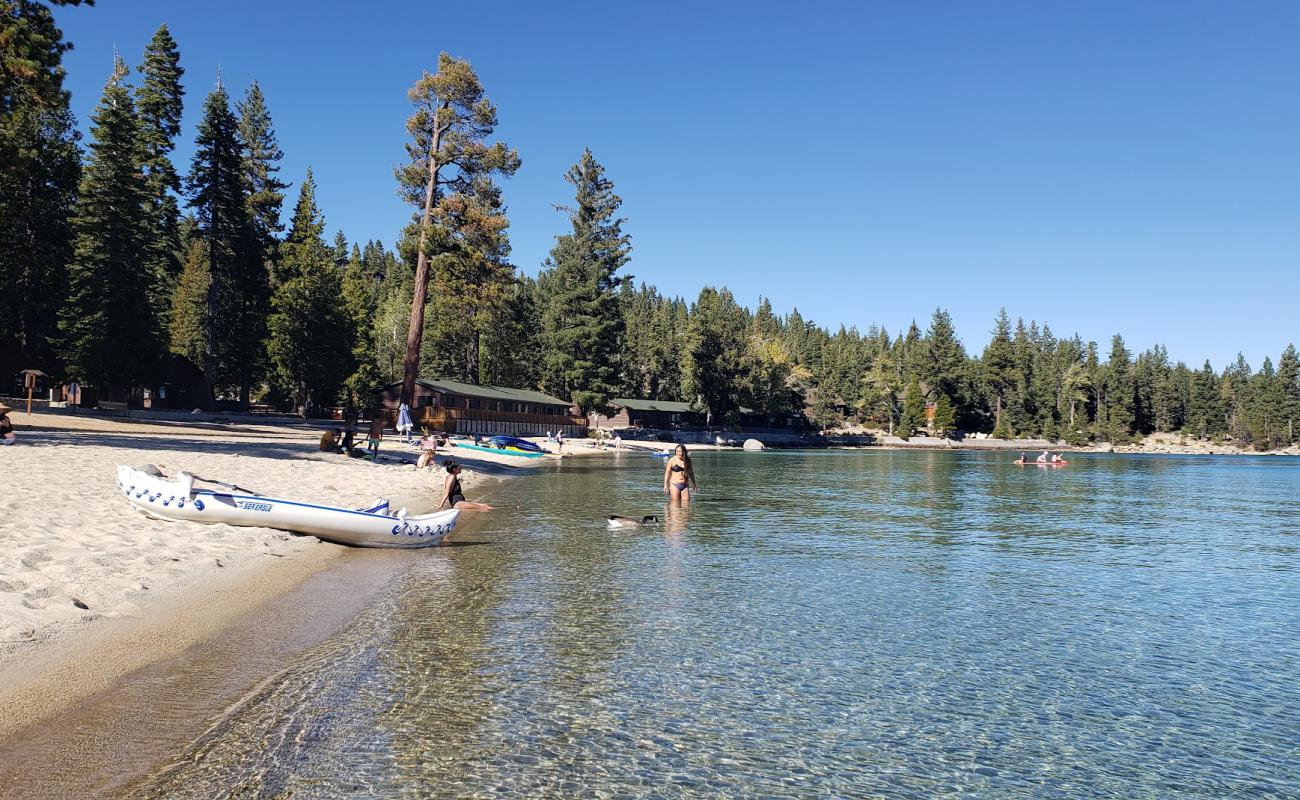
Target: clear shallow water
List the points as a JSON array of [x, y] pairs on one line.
[[816, 624]]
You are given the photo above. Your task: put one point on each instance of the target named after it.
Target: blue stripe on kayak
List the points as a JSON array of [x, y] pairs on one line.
[[258, 499]]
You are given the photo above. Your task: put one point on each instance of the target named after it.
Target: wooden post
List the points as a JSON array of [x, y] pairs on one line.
[[29, 398]]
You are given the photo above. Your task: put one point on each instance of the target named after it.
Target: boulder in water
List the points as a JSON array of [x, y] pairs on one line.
[[754, 444]]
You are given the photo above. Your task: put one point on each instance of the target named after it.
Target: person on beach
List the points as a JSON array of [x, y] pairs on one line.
[[349, 434], [329, 441], [7, 435], [452, 494], [430, 446], [376, 436], [679, 476], [404, 425], [618, 442]]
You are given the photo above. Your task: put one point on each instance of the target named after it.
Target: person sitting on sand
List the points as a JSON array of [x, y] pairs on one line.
[[329, 441], [429, 445], [452, 494], [349, 435], [7, 435], [679, 476]]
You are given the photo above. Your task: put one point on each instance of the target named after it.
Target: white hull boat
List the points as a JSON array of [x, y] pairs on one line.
[[178, 499]]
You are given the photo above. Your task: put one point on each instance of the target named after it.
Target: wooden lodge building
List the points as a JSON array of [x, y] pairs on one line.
[[668, 415], [466, 408]]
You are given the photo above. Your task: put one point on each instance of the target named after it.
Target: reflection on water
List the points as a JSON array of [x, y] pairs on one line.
[[841, 624]]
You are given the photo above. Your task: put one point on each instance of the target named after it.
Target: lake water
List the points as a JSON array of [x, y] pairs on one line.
[[845, 623]]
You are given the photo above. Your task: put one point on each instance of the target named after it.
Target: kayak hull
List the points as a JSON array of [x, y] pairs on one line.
[[178, 499]]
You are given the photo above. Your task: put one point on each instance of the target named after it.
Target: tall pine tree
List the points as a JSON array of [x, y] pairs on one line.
[[39, 171], [238, 290], [311, 340], [110, 332], [159, 101], [451, 162], [582, 322], [261, 163]]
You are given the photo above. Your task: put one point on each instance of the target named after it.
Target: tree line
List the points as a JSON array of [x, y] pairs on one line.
[[115, 262]]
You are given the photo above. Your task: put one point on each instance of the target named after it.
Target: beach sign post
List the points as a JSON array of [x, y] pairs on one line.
[[29, 382]]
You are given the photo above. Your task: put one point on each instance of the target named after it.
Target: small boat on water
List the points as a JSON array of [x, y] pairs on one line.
[[514, 443], [377, 526]]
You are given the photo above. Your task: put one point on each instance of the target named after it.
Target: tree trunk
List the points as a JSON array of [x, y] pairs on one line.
[[411, 366]]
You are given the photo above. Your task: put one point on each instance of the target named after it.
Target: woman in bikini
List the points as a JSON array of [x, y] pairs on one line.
[[679, 477], [453, 496]]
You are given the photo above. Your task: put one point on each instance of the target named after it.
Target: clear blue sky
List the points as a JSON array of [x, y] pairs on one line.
[[1103, 166]]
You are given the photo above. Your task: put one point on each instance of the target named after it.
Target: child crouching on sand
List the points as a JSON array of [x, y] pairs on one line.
[[7, 435]]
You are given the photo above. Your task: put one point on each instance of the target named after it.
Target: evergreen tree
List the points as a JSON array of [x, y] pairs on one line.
[[715, 345], [238, 293], [110, 331], [999, 369], [261, 158], [1288, 383], [944, 358], [189, 311], [39, 172], [361, 301], [451, 164], [311, 338], [582, 322], [1120, 393], [945, 416], [913, 418], [159, 103]]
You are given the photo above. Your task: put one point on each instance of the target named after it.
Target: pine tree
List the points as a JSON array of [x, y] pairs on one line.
[[1120, 392], [945, 416], [159, 100], [311, 340], [472, 283], [361, 300], [39, 172], [913, 418], [110, 334], [260, 165], [451, 163], [944, 358], [714, 347], [189, 310], [999, 370], [238, 293], [1288, 381], [581, 320]]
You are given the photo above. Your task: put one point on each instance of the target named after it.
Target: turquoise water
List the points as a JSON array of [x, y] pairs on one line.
[[841, 624]]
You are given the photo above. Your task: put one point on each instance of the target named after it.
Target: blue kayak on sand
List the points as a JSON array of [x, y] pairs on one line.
[[514, 443]]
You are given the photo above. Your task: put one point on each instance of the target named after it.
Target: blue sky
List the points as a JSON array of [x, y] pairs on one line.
[[1106, 167]]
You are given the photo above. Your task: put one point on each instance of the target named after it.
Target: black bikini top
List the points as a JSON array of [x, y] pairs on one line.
[[678, 468]]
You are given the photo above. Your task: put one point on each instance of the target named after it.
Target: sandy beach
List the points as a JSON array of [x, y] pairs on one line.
[[68, 539]]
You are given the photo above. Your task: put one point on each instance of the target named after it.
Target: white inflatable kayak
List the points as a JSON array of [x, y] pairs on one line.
[[178, 499]]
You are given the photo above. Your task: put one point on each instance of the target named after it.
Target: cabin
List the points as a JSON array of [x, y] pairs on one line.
[[627, 412], [466, 408]]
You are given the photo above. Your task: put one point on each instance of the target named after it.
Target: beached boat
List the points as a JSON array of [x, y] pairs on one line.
[[378, 526], [498, 450], [514, 443]]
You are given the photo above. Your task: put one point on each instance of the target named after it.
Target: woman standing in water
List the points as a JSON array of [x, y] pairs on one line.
[[679, 477]]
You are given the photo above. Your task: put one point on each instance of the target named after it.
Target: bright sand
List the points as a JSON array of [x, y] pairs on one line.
[[152, 588]]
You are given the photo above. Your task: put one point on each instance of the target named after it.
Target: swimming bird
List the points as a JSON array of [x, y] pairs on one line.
[[616, 522]]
